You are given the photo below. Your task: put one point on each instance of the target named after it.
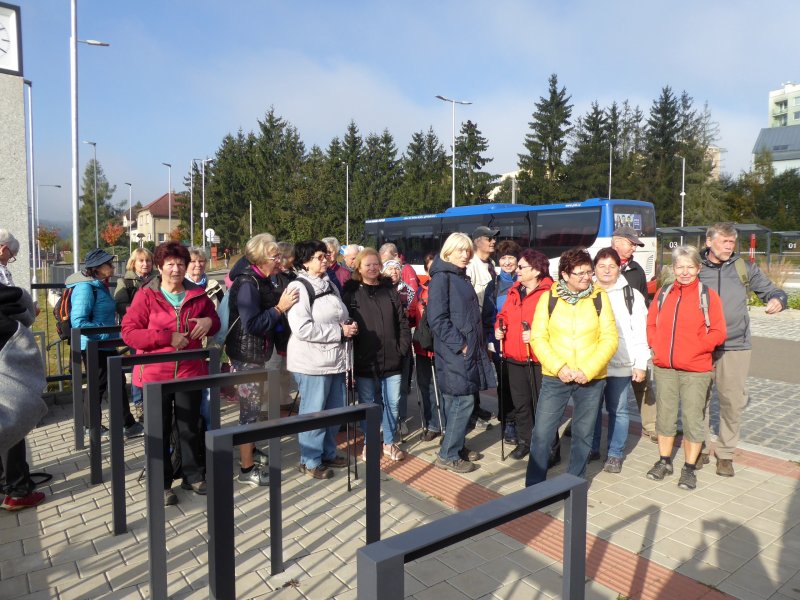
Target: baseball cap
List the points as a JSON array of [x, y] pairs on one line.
[[484, 231], [629, 233]]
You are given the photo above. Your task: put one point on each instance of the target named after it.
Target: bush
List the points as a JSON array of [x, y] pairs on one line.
[[794, 301]]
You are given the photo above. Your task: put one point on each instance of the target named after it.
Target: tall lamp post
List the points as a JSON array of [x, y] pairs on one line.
[[130, 215], [96, 224], [36, 244], [191, 202], [347, 203], [32, 178], [454, 102], [73, 76], [683, 188], [204, 214], [169, 202]]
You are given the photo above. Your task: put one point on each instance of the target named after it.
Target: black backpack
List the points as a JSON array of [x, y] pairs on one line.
[[422, 333]]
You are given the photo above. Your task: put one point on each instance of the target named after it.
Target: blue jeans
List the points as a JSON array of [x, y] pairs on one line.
[[615, 398], [386, 392], [319, 392], [458, 410], [553, 400], [428, 393]]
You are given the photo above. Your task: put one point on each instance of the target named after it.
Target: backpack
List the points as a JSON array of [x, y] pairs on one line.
[[224, 314], [702, 293], [627, 291], [422, 333], [741, 271], [598, 303], [312, 295], [61, 312]]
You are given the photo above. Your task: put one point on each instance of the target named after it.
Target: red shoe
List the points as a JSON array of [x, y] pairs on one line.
[[31, 500]]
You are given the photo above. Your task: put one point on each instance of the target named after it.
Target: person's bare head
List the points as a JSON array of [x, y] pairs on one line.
[[388, 252], [350, 253]]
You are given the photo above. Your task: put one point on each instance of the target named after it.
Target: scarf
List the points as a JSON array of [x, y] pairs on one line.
[[569, 296]]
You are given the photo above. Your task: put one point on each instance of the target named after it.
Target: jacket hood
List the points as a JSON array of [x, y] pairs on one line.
[[712, 265], [241, 265], [443, 266], [77, 278]]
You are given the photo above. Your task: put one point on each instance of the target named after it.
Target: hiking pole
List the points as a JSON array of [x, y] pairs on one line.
[[534, 397], [419, 395], [348, 364], [436, 397], [500, 408]]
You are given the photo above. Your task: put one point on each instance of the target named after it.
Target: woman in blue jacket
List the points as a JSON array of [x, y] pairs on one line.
[[92, 305], [463, 367]]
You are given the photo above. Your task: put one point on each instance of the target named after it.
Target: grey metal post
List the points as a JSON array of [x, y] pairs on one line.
[[154, 453], [77, 386], [275, 506], [116, 384], [214, 357], [380, 574], [573, 583], [373, 472], [222, 578], [93, 396]]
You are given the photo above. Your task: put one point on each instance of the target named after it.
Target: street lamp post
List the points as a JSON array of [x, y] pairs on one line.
[[73, 75], [169, 202], [36, 244], [347, 203], [204, 214], [32, 178], [130, 216], [96, 224], [454, 102], [683, 188], [191, 202]]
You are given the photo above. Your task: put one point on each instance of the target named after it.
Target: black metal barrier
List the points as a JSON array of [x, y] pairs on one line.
[[380, 573], [116, 383], [219, 464], [77, 379]]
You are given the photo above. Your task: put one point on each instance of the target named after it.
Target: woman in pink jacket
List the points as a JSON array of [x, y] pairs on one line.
[[171, 313]]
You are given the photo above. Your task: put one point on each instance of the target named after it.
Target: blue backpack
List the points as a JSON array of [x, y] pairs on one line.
[[224, 314]]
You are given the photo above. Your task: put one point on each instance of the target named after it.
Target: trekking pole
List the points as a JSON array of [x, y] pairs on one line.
[[500, 408], [348, 364], [436, 397], [534, 396], [419, 395]]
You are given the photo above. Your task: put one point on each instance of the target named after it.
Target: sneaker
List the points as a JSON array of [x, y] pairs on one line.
[[469, 455], [429, 436], [688, 479], [103, 432], [652, 435], [702, 460], [457, 466], [198, 487], [478, 423], [520, 452], [170, 499], [402, 429], [725, 467], [138, 412], [133, 431], [319, 472], [613, 465], [260, 458], [393, 452], [29, 501], [660, 470], [337, 462], [482, 413], [255, 477], [510, 434]]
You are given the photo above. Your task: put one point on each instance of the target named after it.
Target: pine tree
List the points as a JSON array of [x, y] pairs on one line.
[[425, 184], [472, 182], [588, 166], [106, 211]]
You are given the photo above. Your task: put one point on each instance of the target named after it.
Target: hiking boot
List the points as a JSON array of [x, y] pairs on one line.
[[337, 462], [255, 477], [138, 411], [319, 472], [198, 487], [510, 434], [133, 431], [702, 460], [650, 434], [170, 499], [688, 479], [520, 452], [554, 458], [429, 436], [469, 455], [393, 452], [661, 469], [260, 458], [29, 501], [725, 467], [613, 465], [457, 466]]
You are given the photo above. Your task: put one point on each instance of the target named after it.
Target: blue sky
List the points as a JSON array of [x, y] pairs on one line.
[[180, 74]]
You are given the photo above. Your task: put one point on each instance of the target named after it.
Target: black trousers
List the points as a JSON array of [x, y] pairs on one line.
[[186, 407], [18, 474], [505, 405], [521, 386], [103, 382]]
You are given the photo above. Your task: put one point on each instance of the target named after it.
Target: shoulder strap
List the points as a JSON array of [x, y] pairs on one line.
[[628, 293], [598, 304], [312, 295], [741, 271], [703, 291], [551, 305]]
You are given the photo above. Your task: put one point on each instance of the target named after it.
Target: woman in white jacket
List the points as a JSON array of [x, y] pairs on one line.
[[628, 364], [315, 354]]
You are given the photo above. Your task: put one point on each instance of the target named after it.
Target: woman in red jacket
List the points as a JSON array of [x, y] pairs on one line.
[[684, 325], [533, 279], [169, 314]]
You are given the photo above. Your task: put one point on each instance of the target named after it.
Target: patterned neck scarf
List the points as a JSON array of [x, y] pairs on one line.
[[570, 297]]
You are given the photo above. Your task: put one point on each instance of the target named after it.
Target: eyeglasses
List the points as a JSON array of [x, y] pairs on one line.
[[520, 267], [582, 274], [12, 257], [320, 257], [274, 258]]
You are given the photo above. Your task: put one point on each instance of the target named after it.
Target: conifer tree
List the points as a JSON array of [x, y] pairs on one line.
[[473, 184]]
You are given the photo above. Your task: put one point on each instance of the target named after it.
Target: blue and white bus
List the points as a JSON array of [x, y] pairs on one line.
[[550, 228]]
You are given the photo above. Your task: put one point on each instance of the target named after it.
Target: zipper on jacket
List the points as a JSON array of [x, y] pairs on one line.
[[674, 324]]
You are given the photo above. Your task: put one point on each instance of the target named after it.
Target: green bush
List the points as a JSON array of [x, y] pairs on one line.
[[794, 301]]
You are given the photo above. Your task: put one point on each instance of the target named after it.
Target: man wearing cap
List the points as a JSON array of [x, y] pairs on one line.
[[481, 271], [625, 241]]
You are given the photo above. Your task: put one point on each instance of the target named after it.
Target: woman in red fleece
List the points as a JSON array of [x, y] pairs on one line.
[[684, 326]]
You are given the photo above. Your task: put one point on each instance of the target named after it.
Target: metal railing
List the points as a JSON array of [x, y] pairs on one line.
[[380, 565], [219, 456], [116, 384]]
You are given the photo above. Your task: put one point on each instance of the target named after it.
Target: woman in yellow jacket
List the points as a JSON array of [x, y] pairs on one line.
[[574, 335]]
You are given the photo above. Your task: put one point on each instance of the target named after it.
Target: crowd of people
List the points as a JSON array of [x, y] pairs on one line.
[[589, 337]]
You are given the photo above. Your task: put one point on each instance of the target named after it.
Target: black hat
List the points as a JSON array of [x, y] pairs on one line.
[[629, 233], [97, 257], [484, 231]]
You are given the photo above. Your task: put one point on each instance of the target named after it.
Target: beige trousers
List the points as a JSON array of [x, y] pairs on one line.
[[730, 377]]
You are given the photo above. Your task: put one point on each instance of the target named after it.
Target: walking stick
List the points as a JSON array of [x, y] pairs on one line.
[[419, 394], [436, 397], [501, 399], [534, 396], [350, 400]]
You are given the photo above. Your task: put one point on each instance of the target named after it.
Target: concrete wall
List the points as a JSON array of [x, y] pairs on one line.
[[14, 174]]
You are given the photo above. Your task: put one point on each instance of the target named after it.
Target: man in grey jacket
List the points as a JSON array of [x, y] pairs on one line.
[[733, 279]]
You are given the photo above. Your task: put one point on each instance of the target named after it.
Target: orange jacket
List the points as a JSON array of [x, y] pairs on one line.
[[515, 311]]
